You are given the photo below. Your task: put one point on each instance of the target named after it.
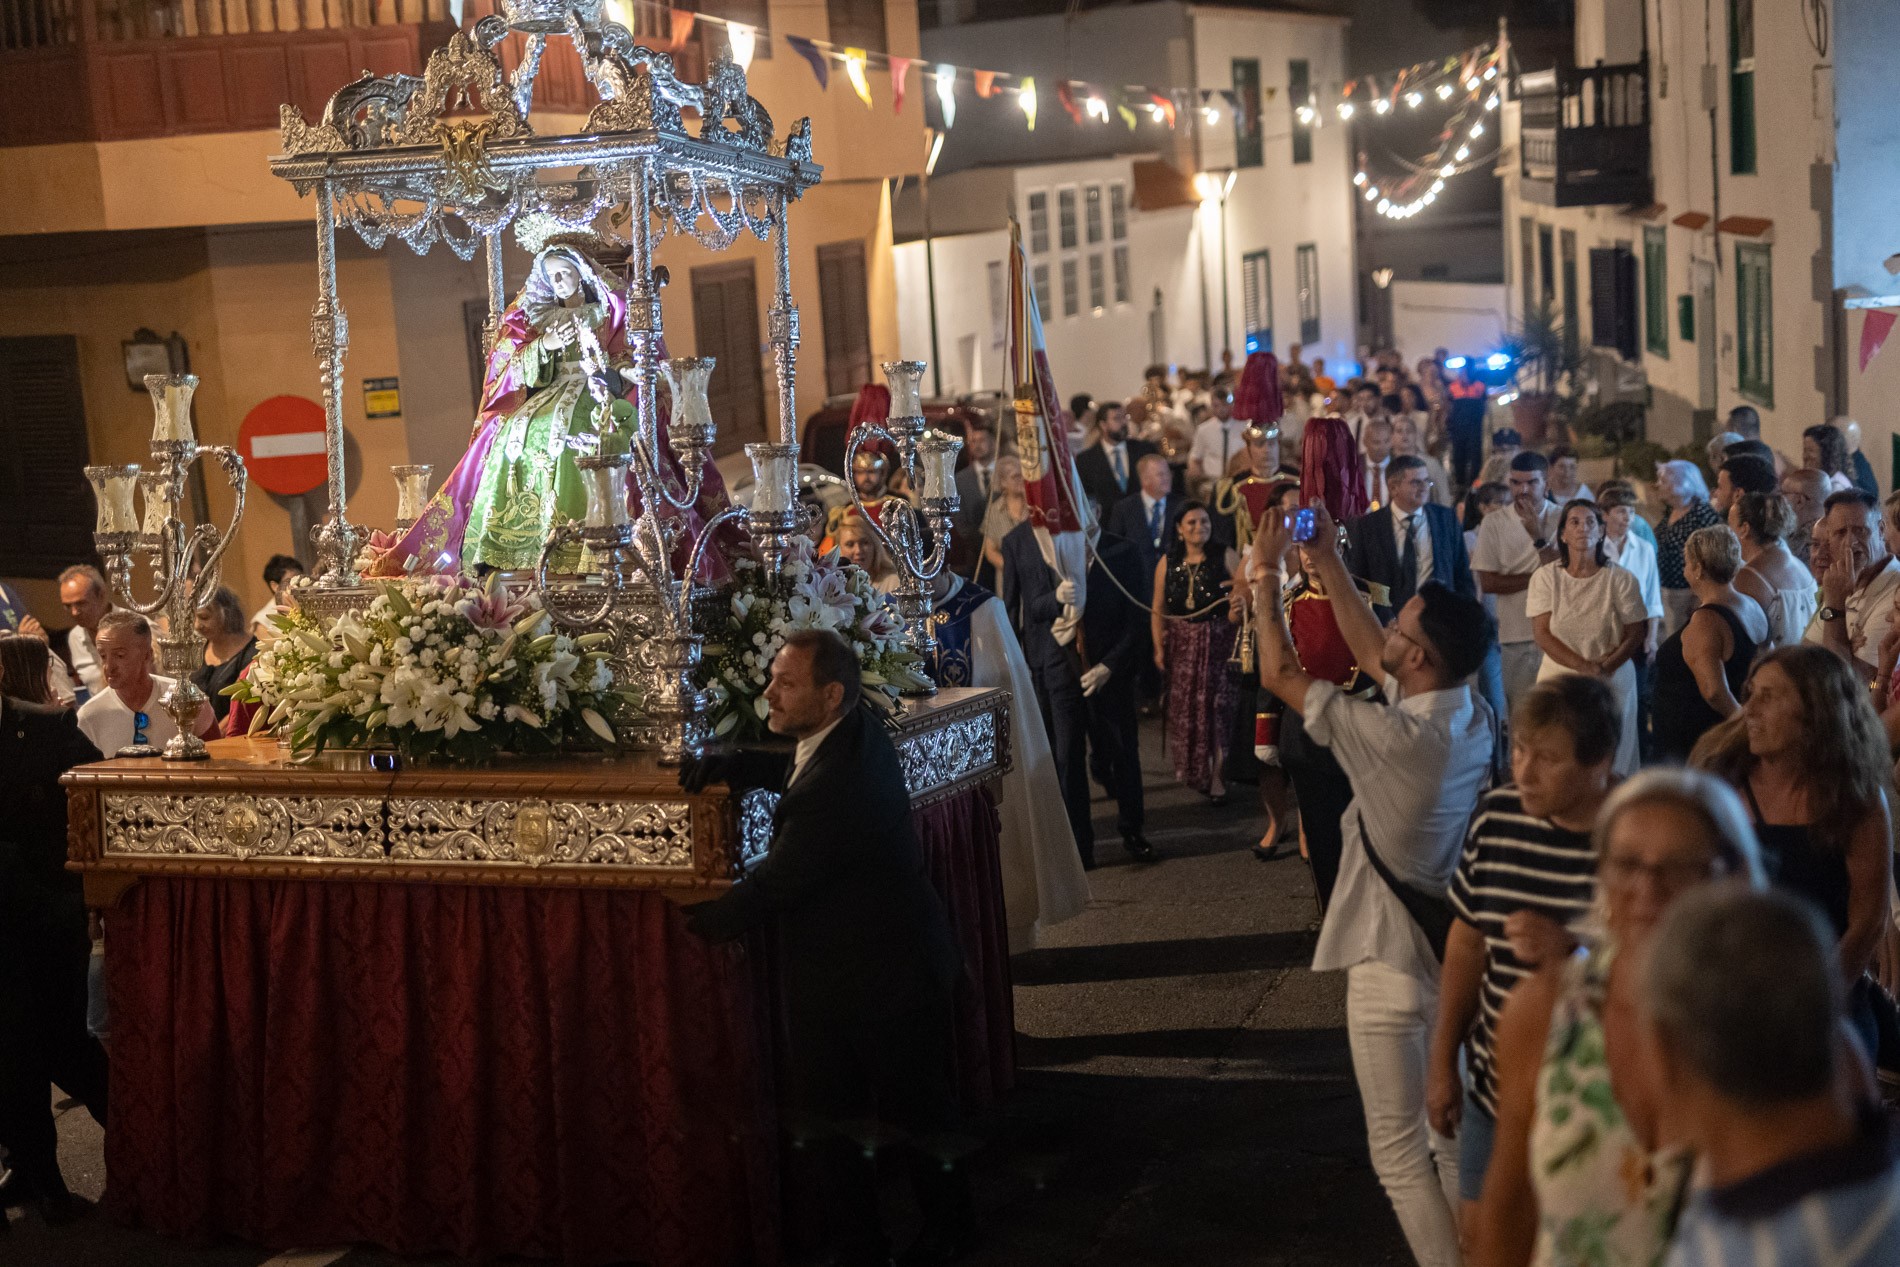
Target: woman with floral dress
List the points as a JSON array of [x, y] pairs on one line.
[[1193, 627], [1686, 495]]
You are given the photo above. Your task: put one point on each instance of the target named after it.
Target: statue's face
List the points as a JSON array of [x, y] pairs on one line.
[[563, 278]]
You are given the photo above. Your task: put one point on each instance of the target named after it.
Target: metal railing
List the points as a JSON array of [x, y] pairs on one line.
[[1586, 130]]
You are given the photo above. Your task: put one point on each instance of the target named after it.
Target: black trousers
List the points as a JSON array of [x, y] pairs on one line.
[[1467, 451], [43, 1042], [1323, 792], [1116, 741], [1065, 716], [874, 1084]]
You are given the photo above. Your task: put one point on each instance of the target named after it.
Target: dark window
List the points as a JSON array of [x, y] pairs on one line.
[[1613, 300], [1256, 299], [1547, 264], [46, 506], [1065, 218], [1118, 212], [1092, 213], [1306, 279], [857, 24], [1038, 222], [1573, 320], [1098, 282], [1041, 282], [1121, 274], [846, 316], [1754, 322], [1071, 287], [1299, 92], [1655, 288], [1247, 146], [726, 326], [1741, 87]]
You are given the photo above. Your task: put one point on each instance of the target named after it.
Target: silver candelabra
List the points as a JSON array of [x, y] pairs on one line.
[[918, 537], [185, 559]]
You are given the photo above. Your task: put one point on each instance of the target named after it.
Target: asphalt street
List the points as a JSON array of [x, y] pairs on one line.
[[1185, 1091]]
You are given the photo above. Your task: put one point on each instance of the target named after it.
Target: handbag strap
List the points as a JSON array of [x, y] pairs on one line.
[[1399, 887]]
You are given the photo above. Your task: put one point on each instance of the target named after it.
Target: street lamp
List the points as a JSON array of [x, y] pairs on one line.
[[1214, 186]]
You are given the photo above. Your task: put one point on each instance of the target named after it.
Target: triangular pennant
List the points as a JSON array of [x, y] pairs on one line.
[[1026, 97], [682, 28], [985, 82], [900, 70], [1873, 333], [820, 64], [1065, 93], [947, 94], [855, 60], [1128, 116], [1167, 106]]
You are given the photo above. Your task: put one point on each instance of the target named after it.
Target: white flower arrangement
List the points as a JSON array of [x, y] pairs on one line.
[[814, 593], [435, 665]]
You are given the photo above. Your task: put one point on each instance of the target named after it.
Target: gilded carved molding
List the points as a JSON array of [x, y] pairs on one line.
[[535, 832], [134, 825]]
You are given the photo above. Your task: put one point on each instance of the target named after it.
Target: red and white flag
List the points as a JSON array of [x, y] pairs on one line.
[[1057, 510]]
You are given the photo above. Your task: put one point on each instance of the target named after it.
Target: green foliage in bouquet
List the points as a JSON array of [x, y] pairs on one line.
[[814, 593], [435, 666]]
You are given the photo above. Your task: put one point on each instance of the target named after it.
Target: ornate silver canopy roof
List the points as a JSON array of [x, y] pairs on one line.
[[451, 154]]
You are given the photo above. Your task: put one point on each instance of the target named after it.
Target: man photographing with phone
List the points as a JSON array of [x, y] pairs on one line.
[[1418, 764]]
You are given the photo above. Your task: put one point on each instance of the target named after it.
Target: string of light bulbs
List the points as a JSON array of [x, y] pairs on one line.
[[1406, 196]]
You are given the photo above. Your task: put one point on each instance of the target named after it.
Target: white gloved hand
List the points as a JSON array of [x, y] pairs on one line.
[[1093, 678], [1065, 593]]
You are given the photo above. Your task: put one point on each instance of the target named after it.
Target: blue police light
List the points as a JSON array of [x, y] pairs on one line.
[[1455, 362], [1498, 361]]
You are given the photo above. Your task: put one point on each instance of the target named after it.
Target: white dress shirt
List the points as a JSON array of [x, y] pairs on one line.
[[1118, 452], [1417, 768], [85, 654], [111, 724], [808, 748], [1376, 490], [1422, 539], [1215, 444], [1504, 547], [1638, 557]]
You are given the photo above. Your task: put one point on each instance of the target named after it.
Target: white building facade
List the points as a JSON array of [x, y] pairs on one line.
[[1708, 201], [1230, 231]]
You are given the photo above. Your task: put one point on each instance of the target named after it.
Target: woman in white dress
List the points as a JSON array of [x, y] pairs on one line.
[[1587, 615], [1770, 574]]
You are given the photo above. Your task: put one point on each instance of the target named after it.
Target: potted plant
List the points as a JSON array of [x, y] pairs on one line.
[[1542, 357]]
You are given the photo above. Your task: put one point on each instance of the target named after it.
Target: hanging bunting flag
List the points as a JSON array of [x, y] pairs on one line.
[[1873, 333], [855, 60], [820, 64], [682, 28], [1065, 93], [743, 41], [985, 82], [1128, 116], [947, 94], [900, 70], [1026, 98], [1165, 105]]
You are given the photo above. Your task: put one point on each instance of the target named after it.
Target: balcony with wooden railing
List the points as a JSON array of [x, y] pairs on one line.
[[117, 70], [1584, 135]]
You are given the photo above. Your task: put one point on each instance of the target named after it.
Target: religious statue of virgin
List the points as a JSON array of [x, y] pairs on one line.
[[553, 390]]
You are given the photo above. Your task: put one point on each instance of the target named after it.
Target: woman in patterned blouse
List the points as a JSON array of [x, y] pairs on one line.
[[1686, 495]]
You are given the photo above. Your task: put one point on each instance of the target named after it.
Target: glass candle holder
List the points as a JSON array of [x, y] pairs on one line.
[[774, 478], [605, 480], [692, 422], [112, 489], [906, 379], [937, 462], [171, 406], [412, 491], [160, 503]]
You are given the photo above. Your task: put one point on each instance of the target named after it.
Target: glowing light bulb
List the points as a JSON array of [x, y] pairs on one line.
[[1477, 129], [1490, 73], [1447, 170], [1381, 106], [1414, 99], [1211, 114], [1491, 102], [1372, 193], [1444, 91], [1345, 109], [1464, 152], [1429, 198], [1437, 185], [1358, 178]]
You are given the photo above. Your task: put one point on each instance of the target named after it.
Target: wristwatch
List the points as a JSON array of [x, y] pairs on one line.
[[1830, 613], [1541, 543]]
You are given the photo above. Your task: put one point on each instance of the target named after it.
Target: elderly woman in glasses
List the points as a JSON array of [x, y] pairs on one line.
[[127, 713]]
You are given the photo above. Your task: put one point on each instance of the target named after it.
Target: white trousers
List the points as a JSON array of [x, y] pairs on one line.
[[1520, 661], [1389, 1025]]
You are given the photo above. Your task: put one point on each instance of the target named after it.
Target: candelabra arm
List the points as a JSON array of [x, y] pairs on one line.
[[868, 430], [685, 598], [232, 463], [563, 534]]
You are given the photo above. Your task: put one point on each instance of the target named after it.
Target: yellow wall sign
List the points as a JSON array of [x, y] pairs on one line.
[[381, 398]]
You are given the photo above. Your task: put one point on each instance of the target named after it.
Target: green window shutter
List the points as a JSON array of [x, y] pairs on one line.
[[1655, 284], [1754, 322], [1298, 89], [1741, 87], [1247, 139]]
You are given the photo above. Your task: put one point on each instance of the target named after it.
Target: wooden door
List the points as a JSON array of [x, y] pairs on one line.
[[46, 506], [845, 314], [726, 326]]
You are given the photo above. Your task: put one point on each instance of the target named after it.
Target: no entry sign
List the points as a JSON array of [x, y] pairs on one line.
[[282, 443]]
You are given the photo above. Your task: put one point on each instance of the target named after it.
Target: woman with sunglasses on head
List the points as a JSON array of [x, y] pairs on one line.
[[1809, 755], [1579, 1173]]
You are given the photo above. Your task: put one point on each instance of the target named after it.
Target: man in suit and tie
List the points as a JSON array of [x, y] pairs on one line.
[[1034, 596], [869, 959], [1115, 632], [1107, 468], [975, 482], [1146, 517], [1408, 541]]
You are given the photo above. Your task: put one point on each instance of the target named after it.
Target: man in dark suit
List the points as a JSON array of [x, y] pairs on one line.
[[869, 958], [1107, 467], [1116, 633], [46, 949], [1145, 518], [1407, 542], [975, 482], [1034, 597]]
